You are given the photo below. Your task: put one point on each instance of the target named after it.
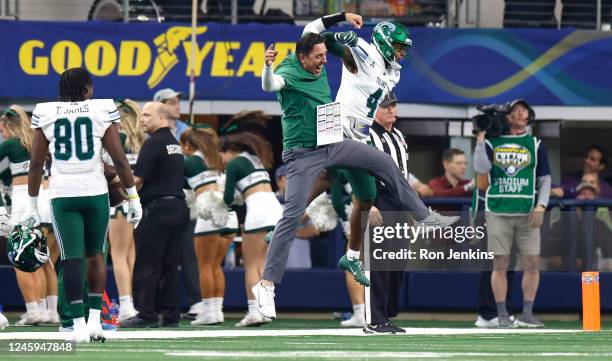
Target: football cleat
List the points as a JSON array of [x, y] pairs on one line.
[[95, 331], [78, 335], [355, 267]]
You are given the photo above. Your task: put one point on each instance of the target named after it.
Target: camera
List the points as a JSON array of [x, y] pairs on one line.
[[493, 119]]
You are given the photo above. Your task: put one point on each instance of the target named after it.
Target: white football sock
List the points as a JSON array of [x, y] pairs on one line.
[[352, 255], [252, 306]]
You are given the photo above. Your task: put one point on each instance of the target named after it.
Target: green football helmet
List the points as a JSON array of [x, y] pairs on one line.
[[27, 248], [385, 34]]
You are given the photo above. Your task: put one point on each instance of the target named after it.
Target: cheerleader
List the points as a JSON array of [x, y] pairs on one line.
[[247, 157], [120, 231], [203, 168], [39, 289]]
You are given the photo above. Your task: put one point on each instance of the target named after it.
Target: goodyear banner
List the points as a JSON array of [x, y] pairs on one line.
[[446, 66]]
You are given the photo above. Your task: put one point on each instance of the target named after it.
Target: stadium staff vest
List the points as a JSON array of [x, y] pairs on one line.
[[512, 178]]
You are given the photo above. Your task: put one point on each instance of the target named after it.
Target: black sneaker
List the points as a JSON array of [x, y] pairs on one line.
[[172, 324], [137, 322], [397, 329], [382, 328]]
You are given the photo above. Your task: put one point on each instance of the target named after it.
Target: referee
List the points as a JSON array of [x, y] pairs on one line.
[[381, 301], [159, 177]]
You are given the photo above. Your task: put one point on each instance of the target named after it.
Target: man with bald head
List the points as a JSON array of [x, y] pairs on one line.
[[159, 178]]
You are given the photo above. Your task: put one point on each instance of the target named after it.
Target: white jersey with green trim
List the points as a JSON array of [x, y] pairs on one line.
[[74, 131], [360, 94]]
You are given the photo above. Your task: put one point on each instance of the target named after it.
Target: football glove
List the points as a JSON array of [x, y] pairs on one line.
[[134, 212], [30, 217], [348, 38]]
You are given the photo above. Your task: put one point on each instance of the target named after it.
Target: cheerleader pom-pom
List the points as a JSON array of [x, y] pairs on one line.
[[322, 214], [211, 207], [190, 199]]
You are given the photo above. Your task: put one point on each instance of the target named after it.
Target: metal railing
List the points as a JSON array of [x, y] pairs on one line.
[[572, 212]]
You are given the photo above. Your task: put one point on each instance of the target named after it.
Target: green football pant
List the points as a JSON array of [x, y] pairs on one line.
[[80, 225]]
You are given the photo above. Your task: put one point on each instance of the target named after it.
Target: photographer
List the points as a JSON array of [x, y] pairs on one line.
[[516, 197]]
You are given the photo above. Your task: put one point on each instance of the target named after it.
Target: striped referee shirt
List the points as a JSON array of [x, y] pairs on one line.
[[392, 143]]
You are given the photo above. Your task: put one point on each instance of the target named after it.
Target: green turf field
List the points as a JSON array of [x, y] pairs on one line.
[[451, 340]]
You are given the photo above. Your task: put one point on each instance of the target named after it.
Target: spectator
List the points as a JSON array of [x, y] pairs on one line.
[[595, 161], [172, 100], [452, 183], [557, 246], [516, 198]]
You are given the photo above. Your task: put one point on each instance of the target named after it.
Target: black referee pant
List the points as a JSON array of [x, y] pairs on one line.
[[382, 297], [158, 245]]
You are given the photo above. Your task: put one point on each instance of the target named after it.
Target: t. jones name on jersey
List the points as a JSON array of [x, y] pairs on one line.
[[59, 110], [382, 83], [174, 149]]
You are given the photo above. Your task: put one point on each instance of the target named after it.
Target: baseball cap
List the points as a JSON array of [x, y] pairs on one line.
[[165, 94], [388, 100], [585, 185], [518, 101]]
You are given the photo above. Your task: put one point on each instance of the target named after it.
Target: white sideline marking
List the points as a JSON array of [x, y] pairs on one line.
[[164, 334], [385, 354]]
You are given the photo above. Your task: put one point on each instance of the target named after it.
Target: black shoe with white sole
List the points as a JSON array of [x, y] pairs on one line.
[[383, 328]]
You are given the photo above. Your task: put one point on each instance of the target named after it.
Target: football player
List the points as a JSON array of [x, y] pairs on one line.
[[74, 131]]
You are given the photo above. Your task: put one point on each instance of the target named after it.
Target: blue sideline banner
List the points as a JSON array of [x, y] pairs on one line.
[[459, 66]]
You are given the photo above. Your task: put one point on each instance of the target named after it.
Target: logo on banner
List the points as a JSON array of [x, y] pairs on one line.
[[137, 58], [166, 45]]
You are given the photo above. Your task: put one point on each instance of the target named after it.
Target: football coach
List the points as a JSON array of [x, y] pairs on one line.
[[159, 178]]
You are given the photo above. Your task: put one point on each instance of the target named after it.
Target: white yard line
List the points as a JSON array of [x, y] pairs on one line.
[[166, 334], [375, 354]]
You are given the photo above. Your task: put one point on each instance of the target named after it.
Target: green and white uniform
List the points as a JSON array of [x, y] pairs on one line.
[[19, 164], [77, 188], [198, 175], [263, 208], [360, 94]]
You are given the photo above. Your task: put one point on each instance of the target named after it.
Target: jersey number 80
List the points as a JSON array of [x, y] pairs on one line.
[[68, 137]]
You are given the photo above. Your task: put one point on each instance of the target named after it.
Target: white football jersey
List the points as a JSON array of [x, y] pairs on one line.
[[74, 131], [360, 94]]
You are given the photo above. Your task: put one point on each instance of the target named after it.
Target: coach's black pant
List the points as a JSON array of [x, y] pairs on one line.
[[383, 302], [189, 266], [158, 245]]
